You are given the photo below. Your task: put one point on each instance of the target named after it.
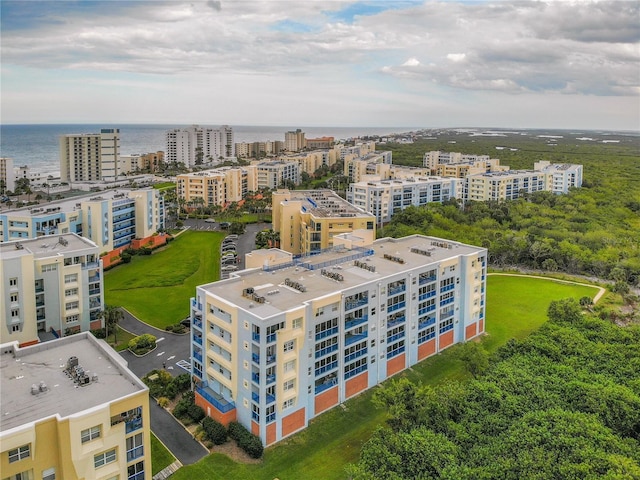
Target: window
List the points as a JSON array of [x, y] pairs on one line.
[[289, 346], [70, 291], [296, 323], [135, 472], [14, 297], [13, 282], [104, 458], [72, 318], [71, 278], [49, 474], [135, 448], [15, 328], [71, 305], [19, 453], [27, 475], [290, 366], [287, 403], [90, 434], [15, 313], [288, 385]]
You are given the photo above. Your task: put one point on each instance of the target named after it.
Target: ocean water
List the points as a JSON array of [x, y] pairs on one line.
[[37, 145]]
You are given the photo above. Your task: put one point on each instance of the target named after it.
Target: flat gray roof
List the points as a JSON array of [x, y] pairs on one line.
[[47, 246], [21, 368], [280, 297]]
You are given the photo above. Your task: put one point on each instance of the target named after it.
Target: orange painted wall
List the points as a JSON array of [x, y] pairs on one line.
[[481, 330], [426, 349], [255, 428], [396, 364], [356, 384], [271, 433], [151, 242], [31, 342], [446, 340], [293, 422], [223, 418], [326, 400], [470, 331]]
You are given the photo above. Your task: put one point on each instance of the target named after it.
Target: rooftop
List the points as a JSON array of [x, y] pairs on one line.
[[22, 368], [47, 246], [281, 295], [325, 203]]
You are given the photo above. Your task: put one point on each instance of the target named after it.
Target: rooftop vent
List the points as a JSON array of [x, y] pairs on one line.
[[63, 241], [365, 266], [295, 285], [332, 275], [393, 258], [421, 251]]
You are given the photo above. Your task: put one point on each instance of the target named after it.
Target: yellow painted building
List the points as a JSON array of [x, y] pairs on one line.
[[71, 409], [218, 186], [307, 220]]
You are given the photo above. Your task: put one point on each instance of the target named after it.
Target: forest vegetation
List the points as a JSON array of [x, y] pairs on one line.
[[593, 230]]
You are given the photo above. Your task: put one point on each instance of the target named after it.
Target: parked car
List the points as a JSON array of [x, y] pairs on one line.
[[231, 237], [225, 224], [210, 220]]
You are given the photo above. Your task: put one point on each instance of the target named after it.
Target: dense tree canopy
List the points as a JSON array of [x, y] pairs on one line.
[[563, 403]]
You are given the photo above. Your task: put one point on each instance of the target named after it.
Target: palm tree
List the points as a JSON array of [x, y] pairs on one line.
[[112, 316]]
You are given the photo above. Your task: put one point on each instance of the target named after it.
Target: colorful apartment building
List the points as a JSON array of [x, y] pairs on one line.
[[70, 409], [112, 218], [308, 220], [279, 343], [49, 284]]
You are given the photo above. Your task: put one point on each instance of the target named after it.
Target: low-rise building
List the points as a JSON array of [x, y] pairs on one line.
[[72, 410], [384, 198], [308, 220], [509, 185], [47, 284], [563, 175], [277, 344], [218, 186], [276, 173]]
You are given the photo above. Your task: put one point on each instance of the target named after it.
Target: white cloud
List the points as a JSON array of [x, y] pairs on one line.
[[456, 57]]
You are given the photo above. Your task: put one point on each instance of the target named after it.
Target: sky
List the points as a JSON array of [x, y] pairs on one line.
[[507, 64]]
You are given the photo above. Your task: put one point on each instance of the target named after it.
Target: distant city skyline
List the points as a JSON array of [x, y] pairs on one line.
[[371, 64]]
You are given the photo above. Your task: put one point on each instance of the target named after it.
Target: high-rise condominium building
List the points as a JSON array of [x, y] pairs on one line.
[[281, 342], [90, 156], [49, 284], [294, 140], [72, 410], [7, 176], [196, 145]]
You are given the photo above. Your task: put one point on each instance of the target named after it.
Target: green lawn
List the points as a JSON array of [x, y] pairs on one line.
[[160, 456], [123, 338], [516, 307], [157, 288]]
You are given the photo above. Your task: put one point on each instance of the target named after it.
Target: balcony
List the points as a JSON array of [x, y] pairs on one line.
[[355, 372], [255, 337], [39, 288], [355, 355], [256, 358], [40, 303], [447, 301], [446, 328], [271, 359], [198, 340], [447, 314], [255, 417], [197, 321], [397, 306], [426, 310], [326, 385], [197, 356], [133, 424], [326, 333], [94, 278], [396, 321], [256, 398], [255, 377], [271, 338], [427, 322], [271, 379], [215, 399], [352, 322], [396, 290], [425, 280], [351, 339], [324, 351], [395, 338], [447, 288], [271, 417], [351, 304], [134, 453]]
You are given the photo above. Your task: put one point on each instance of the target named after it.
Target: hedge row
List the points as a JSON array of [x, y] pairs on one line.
[[214, 431], [246, 440]]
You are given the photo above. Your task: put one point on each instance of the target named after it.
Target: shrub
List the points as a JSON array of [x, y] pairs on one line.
[[99, 333], [236, 430], [163, 402], [142, 343], [214, 431], [169, 328], [195, 412], [182, 382], [126, 257], [246, 440]]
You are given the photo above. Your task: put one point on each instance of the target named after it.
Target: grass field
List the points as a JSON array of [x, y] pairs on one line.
[[516, 306], [157, 288], [123, 338], [160, 456]]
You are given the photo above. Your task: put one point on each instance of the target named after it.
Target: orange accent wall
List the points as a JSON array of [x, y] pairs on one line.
[[446, 340], [481, 329], [326, 400], [470, 331], [95, 325], [426, 349], [396, 364], [112, 258], [356, 384], [293, 422], [223, 418], [271, 433], [153, 241], [255, 428], [30, 342]]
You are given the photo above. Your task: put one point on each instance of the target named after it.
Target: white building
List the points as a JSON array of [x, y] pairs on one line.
[[275, 174], [50, 283], [197, 145], [283, 341], [383, 198], [563, 176], [90, 156], [7, 176]]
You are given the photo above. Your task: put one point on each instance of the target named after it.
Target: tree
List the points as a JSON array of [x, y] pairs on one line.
[[112, 316], [564, 311], [474, 357]]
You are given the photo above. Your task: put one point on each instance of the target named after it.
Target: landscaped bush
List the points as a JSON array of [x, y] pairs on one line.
[[186, 409], [99, 333], [246, 440], [214, 431], [163, 402], [177, 328], [142, 344], [196, 412], [164, 385]]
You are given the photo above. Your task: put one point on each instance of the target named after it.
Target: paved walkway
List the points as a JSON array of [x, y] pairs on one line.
[[168, 471], [601, 291]]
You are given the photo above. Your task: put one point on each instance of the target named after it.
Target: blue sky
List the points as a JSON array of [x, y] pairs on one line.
[[331, 63]]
